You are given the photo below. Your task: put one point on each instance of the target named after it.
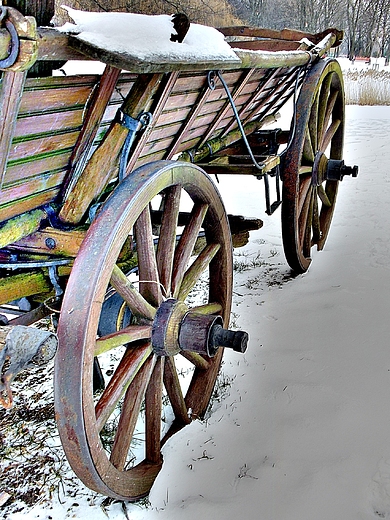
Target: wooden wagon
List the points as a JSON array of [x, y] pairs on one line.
[[109, 219]]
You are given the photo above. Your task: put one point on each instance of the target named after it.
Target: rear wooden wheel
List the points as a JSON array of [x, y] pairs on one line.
[[113, 439], [308, 197]]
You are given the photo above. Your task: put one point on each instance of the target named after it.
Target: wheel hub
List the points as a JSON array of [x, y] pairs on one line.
[[320, 168], [176, 328]]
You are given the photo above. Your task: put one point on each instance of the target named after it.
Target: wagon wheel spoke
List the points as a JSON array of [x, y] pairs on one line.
[[129, 414], [308, 149], [166, 247], [329, 135], [153, 411], [174, 391], [325, 107], [316, 221], [327, 110], [194, 272], [136, 302], [197, 360], [122, 337], [304, 187], [304, 219], [314, 125], [318, 138], [186, 245], [149, 285], [129, 366]]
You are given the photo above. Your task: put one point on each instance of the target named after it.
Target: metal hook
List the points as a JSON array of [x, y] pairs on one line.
[[15, 45]]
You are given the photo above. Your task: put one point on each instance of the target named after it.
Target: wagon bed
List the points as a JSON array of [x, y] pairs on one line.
[[110, 219]]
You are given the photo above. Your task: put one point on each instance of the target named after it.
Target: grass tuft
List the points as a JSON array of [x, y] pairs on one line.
[[367, 87]]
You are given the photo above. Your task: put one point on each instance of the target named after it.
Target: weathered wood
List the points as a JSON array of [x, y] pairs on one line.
[[284, 34], [93, 119], [131, 364], [26, 204], [278, 59], [146, 136], [23, 285], [54, 45], [137, 303], [186, 245], [245, 77], [26, 30], [51, 241], [153, 411], [43, 12], [104, 162], [10, 98], [215, 145], [129, 415], [147, 265], [21, 226], [267, 45]]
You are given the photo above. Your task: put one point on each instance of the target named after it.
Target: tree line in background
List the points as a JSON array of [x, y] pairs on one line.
[[366, 23]]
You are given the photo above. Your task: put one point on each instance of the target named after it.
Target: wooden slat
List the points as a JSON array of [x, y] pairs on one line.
[[243, 80], [27, 169], [34, 185], [10, 98], [35, 101], [31, 202], [42, 145], [46, 123]]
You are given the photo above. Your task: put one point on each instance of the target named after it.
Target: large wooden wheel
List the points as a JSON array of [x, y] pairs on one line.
[[113, 438], [309, 192]]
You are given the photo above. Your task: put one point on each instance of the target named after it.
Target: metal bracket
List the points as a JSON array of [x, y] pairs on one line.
[[133, 125], [271, 208]]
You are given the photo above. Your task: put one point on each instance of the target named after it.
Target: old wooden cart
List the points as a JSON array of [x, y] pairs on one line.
[[107, 212]]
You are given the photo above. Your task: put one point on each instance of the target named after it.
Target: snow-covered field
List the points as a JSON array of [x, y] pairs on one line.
[[303, 427]]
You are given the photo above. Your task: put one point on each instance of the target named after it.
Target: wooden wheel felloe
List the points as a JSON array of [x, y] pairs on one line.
[[103, 433], [309, 190]]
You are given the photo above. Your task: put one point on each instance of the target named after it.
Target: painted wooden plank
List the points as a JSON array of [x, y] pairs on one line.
[[34, 201], [35, 101], [42, 145], [34, 185], [10, 97], [51, 122], [19, 171]]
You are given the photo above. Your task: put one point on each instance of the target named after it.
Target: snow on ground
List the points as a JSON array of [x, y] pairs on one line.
[[302, 430]]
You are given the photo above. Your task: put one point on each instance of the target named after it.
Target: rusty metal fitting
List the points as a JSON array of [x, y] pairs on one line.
[[19, 40]]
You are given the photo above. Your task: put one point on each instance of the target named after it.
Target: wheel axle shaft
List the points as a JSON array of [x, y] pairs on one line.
[[336, 170]]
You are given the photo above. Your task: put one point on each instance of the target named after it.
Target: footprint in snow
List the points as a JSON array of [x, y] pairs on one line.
[[379, 491]]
